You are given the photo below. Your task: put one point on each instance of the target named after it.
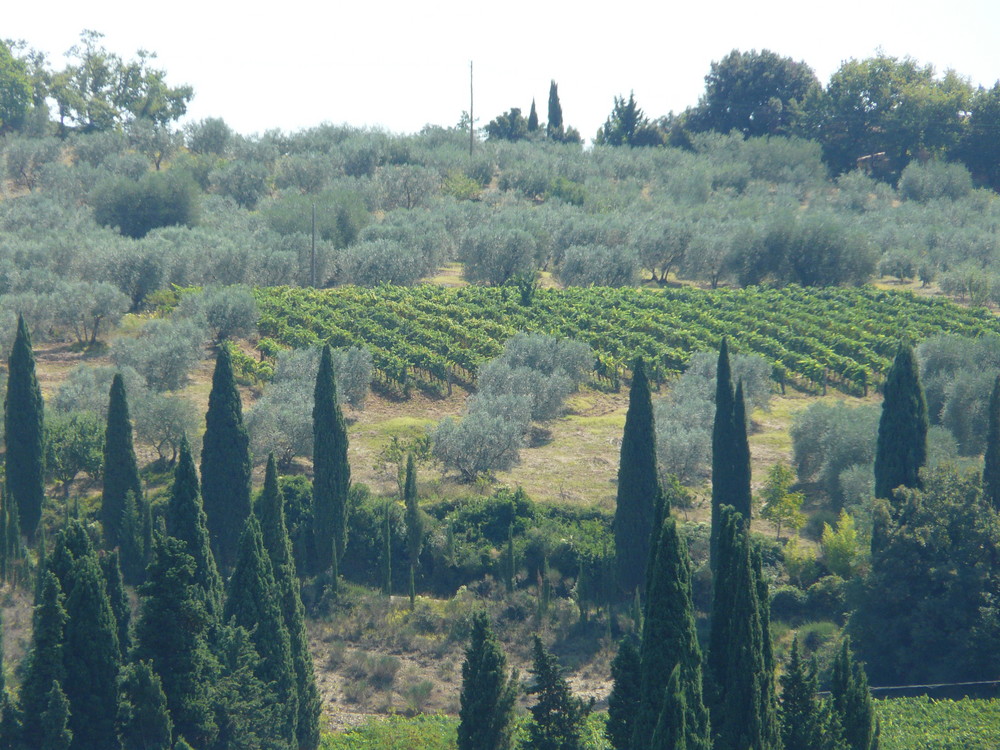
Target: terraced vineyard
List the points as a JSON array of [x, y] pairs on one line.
[[431, 336]]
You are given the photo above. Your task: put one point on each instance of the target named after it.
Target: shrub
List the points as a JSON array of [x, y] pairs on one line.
[[788, 603]]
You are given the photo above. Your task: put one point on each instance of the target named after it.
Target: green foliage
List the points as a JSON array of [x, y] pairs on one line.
[[901, 449], [509, 126], [121, 472], [340, 216], [15, 90], [623, 702], [557, 717], [778, 505], [830, 439], [56, 734], [73, 444], [852, 702], [24, 433], [229, 311], [143, 719], [627, 126], [331, 470], [945, 724], [991, 458], [43, 664], [842, 551], [488, 693], [163, 353], [598, 265], [158, 199], [121, 607]]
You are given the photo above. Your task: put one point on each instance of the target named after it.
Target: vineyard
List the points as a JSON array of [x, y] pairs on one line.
[[431, 336]]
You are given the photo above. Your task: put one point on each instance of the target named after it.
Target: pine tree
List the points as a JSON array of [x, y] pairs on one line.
[[901, 447], [187, 522], [486, 713], [118, 599], [143, 719], [852, 701], [72, 543], [44, 662], [91, 658], [669, 639], [671, 726], [623, 702], [179, 654], [274, 533], [638, 486], [554, 127], [557, 717], [991, 457], [225, 463], [801, 713], [533, 118], [56, 733], [414, 524], [24, 432], [331, 470], [121, 471], [252, 603], [723, 458]]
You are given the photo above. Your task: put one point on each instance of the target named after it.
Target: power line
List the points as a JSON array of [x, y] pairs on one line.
[[884, 688]]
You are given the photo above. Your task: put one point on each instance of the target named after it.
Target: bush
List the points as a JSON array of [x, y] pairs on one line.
[[788, 604], [159, 199], [827, 599]]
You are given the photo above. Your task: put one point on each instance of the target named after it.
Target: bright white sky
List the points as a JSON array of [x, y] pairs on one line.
[[400, 64]]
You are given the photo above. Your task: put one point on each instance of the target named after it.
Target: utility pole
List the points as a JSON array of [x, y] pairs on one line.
[[472, 119]]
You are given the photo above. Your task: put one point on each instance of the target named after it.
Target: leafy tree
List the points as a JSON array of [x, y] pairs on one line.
[[24, 432], [245, 181], [86, 307], [163, 353], [557, 717], [901, 449], [121, 471], [978, 148], [852, 701], [136, 207], [209, 136], [496, 254], [841, 548], [638, 485], [488, 438], [56, 734], [274, 534], [510, 126], [599, 265], [26, 158], [627, 126], [991, 458], [754, 93], [623, 702], [230, 311], [252, 602], [44, 662], [155, 141], [225, 462], [488, 694], [15, 90], [780, 506], [73, 443], [331, 470], [179, 655], [143, 719], [186, 522]]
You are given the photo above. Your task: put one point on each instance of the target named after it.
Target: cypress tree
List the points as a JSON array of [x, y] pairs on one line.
[[91, 658], [742, 496], [56, 733], [252, 603], [557, 717], [533, 118], [723, 458], [801, 714], [131, 541], [554, 127], [72, 543], [414, 524], [638, 486], [331, 470], [623, 702], [121, 472], [225, 463], [187, 522], [178, 654], [901, 447], [25, 434], [852, 701], [274, 533], [143, 719], [671, 727], [44, 662], [669, 639], [486, 713], [118, 599], [387, 550], [991, 457]]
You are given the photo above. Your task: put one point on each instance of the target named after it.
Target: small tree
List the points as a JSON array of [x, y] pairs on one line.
[[557, 717], [852, 701], [841, 547], [901, 449], [414, 524], [486, 715], [121, 474], [56, 734], [779, 506]]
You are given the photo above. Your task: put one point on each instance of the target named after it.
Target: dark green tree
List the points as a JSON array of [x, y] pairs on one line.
[[331, 470], [801, 712], [623, 702], [901, 448], [627, 126], [669, 639], [554, 126], [56, 732], [414, 524], [24, 432], [225, 463], [557, 717], [270, 511], [91, 658], [143, 719], [186, 521], [252, 602], [979, 149], [179, 654], [991, 457], [118, 599], [44, 662], [121, 472], [730, 450], [387, 549], [509, 126], [486, 715], [132, 542], [852, 701], [671, 726], [532, 118], [638, 486]]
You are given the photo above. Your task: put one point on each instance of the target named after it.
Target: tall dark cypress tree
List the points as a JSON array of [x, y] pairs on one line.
[[638, 486], [991, 457], [44, 662], [852, 701], [623, 702], [723, 458], [186, 521], [91, 658], [118, 599], [901, 447], [24, 437], [670, 639], [331, 470], [533, 118], [671, 727], [143, 719], [414, 524], [56, 733], [801, 713], [557, 716], [179, 654], [252, 602], [121, 472], [270, 510], [132, 542], [225, 463], [554, 127], [486, 714], [742, 496]]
